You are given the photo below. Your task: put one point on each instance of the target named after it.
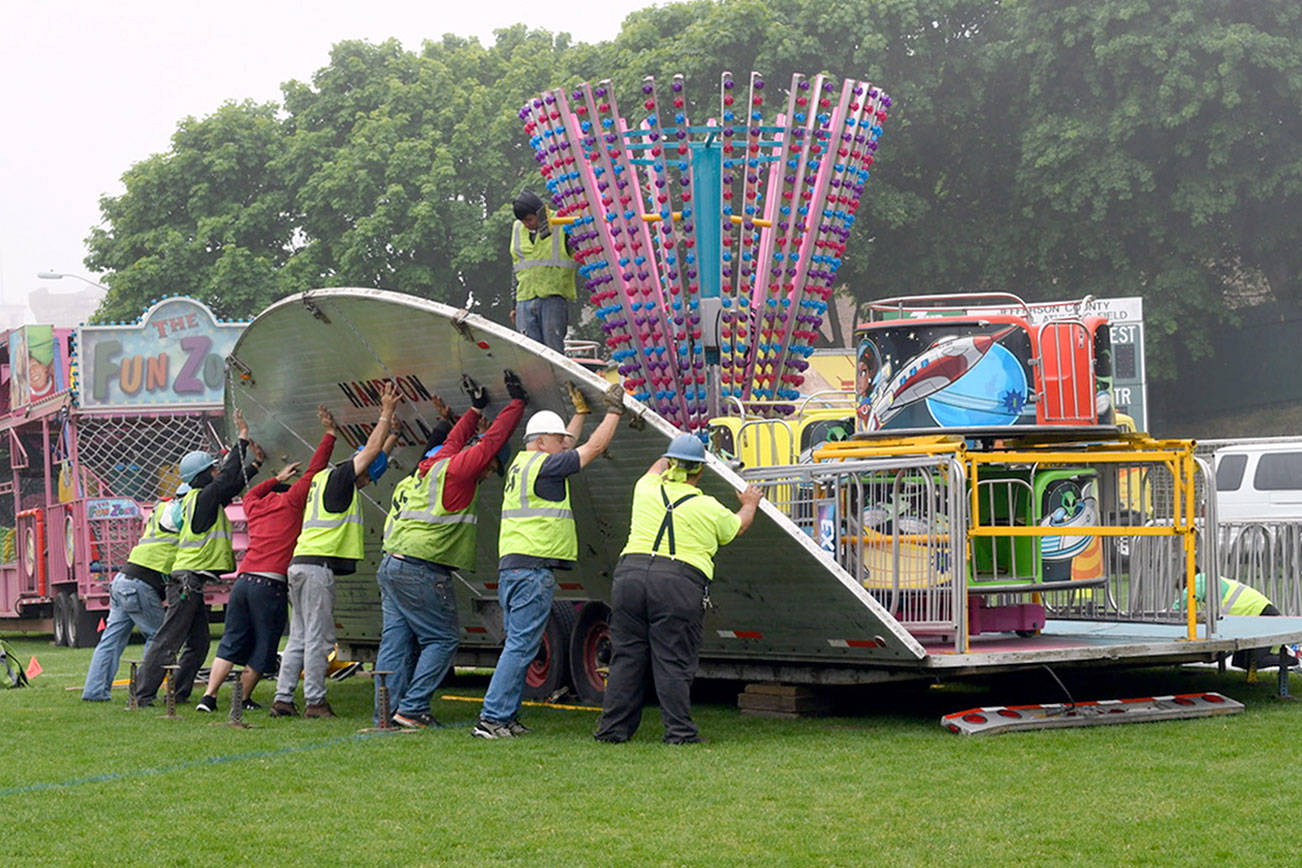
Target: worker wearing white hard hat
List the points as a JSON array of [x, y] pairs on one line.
[[537, 537], [660, 587]]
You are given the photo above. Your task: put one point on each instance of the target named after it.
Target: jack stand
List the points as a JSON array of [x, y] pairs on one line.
[[1281, 684], [382, 712], [236, 718], [133, 704], [171, 692]]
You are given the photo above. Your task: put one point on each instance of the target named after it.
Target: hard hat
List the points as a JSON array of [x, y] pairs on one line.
[[686, 447], [195, 463], [544, 422], [526, 203]]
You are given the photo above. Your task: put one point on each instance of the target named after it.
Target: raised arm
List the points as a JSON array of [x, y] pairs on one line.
[[613, 400], [750, 497], [388, 403]]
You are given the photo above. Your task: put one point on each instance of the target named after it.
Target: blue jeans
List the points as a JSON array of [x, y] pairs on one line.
[[420, 624], [544, 319], [132, 603], [526, 598]]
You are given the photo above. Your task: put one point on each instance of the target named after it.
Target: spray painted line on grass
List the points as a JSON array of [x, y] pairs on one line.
[[163, 770]]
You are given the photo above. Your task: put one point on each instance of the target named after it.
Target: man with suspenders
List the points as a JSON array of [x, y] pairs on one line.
[[660, 588], [537, 536]]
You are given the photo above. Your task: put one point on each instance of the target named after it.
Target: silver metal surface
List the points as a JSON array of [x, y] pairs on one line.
[[777, 594]]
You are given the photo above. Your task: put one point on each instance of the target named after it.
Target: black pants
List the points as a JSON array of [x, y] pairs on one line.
[[185, 622], [656, 621]]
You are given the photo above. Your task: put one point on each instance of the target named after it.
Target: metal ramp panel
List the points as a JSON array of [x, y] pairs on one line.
[[998, 719]]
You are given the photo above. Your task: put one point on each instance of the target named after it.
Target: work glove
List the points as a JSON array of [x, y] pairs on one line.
[[576, 398], [514, 387], [613, 398], [477, 394]]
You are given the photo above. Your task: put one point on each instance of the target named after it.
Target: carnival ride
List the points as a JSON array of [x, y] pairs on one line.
[[972, 507]]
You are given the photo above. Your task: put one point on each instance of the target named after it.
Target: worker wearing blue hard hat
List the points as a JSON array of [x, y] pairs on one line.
[[203, 554], [660, 590], [331, 542]]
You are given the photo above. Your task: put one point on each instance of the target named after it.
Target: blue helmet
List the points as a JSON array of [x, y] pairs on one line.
[[686, 447], [195, 463]]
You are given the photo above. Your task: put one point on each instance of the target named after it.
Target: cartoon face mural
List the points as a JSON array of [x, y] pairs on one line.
[[1070, 503], [963, 375], [36, 363]]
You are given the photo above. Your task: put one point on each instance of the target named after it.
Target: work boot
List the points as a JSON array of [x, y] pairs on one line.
[[320, 709], [282, 709]]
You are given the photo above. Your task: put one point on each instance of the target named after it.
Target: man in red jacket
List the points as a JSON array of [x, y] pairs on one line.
[[258, 607]]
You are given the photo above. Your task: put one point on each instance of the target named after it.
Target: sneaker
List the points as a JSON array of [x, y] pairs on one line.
[[518, 728], [320, 709], [250, 705], [488, 729], [414, 721], [207, 703], [282, 709]]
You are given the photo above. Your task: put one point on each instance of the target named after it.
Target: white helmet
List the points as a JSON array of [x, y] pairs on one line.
[[544, 422]]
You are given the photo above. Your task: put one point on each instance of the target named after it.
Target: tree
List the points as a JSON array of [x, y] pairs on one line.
[[211, 219]]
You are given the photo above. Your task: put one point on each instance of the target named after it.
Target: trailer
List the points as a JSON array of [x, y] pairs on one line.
[[887, 556], [93, 423]]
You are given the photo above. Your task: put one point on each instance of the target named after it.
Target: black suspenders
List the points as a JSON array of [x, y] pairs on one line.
[[667, 523]]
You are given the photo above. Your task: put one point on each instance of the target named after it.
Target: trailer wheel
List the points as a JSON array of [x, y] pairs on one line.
[[590, 653], [60, 607], [548, 672], [81, 626]]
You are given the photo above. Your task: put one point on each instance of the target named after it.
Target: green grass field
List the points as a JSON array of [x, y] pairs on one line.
[[884, 783]]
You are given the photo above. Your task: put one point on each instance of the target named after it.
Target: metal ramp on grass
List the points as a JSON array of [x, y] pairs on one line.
[[1015, 718]]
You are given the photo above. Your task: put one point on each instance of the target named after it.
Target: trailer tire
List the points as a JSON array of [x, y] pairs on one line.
[[60, 611], [549, 671], [81, 624], [590, 653]]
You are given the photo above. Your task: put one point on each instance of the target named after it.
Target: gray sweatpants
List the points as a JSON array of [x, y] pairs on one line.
[[311, 633]]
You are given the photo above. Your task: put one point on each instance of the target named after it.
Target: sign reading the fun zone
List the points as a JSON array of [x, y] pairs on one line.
[[175, 356]]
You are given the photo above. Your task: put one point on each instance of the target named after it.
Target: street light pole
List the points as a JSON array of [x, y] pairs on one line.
[[59, 275]]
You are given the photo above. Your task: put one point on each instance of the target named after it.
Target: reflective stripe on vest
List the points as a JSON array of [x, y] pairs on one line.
[[533, 525], [422, 528], [156, 549], [557, 260], [331, 534], [1250, 601], [206, 552]]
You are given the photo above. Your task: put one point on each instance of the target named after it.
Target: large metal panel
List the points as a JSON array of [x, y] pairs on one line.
[[777, 595]]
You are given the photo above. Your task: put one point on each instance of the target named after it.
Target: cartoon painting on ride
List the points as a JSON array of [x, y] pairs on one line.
[[932, 367], [945, 376]]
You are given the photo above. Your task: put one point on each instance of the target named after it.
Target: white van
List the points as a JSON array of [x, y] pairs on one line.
[[1259, 481]]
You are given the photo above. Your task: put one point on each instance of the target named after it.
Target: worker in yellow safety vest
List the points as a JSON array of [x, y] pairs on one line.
[[537, 536], [135, 598], [660, 589], [542, 263], [330, 543], [203, 555], [1239, 599]]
